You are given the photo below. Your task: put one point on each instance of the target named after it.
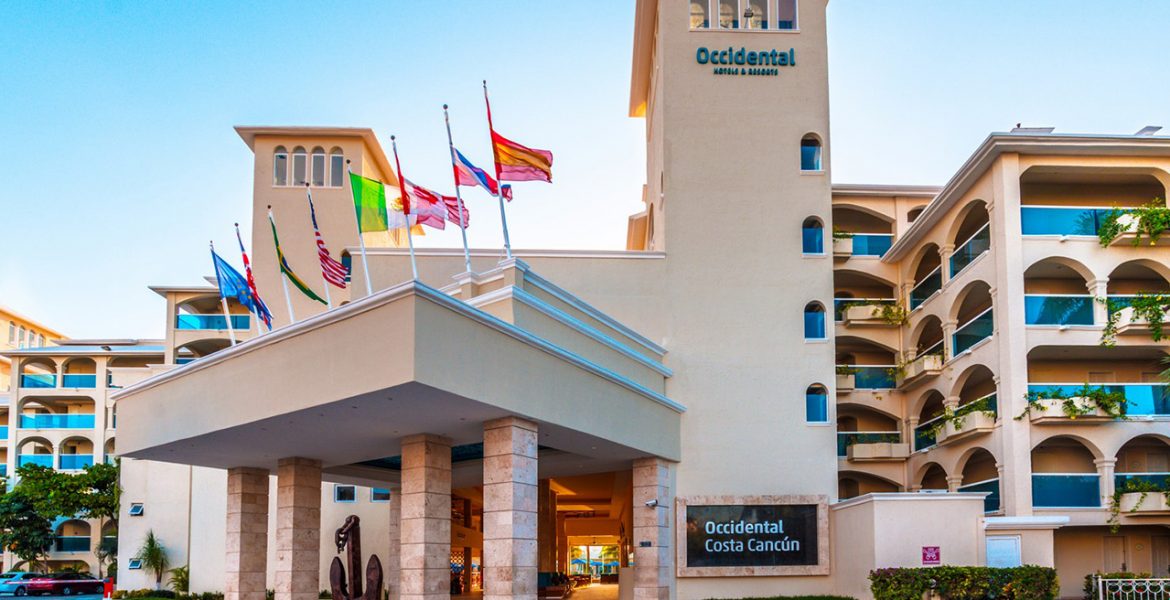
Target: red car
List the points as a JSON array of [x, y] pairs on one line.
[[64, 584]]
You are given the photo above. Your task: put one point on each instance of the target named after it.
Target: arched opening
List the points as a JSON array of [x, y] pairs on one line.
[[927, 275], [34, 451], [914, 213], [855, 288], [929, 420], [857, 425], [300, 166], [280, 166], [56, 412], [1131, 375], [109, 450], [1064, 474], [812, 236], [728, 14], [1056, 293], [871, 233], [1132, 280], [973, 314], [79, 373], [933, 478], [981, 475], [72, 536], [864, 365], [199, 348], [976, 385], [972, 237], [38, 373], [75, 454], [700, 19], [1075, 201], [318, 164], [816, 404], [336, 168], [205, 313], [814, 321], [851, 484], [1143, 463], [810, 153], [928, 338]]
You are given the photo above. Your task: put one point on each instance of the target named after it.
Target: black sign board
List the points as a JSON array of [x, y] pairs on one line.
[[764, 535]]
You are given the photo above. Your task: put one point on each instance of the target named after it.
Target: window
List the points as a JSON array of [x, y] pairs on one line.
[[810, 154], [758, 18], [20, 338], [812, 237], [136, 509], [300, 166], [816, 404], [41, 341], [379, 495], [699, 16], [11, 332], [728, 14], [814, 321], [135, 564], [319, 167], [336, 168], [344, 493], [786, 15], [280, 166]]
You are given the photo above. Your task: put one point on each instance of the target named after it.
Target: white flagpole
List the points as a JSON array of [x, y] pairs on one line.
[[223, 302], [361, 240], [312, 216], [458, 196], [292, 317], [405, 202], [499, 184]]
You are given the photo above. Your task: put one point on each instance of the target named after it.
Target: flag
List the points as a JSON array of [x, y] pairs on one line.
[[331, 270], [260, 308], [287, 270], [506, 190], [233, 285], [471, 175], [516, 162], [428, 207], [369, 201]]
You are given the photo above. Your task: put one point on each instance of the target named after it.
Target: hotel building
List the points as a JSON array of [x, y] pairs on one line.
[[843, 378]]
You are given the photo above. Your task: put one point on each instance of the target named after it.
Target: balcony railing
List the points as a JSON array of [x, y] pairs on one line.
[[3, 470], [870, 377], [840, 304], [38, 380], [75, 462], [922, 290], [3, 432], [79, 380], [972, 332], [1062, 220], [1066, 490], [968, 251], [41, 460], [71, 543], [1142, 399], [924, 435], [845, 439], [1058, 309], [50, 421], [1162, 480], [991, 502], [871, 244], [210, 322]]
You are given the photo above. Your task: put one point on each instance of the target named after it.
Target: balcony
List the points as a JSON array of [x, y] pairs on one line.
[[973, 418], [871, 244], [1058, 309], [38, 380], [71, 543], [211, 322], [75, 462], [971, 249], [866, 377], [1126, 321], [871, 312], [79, 380], [865, 446], [1062, 220], [1066, 490], [1062, 411], [842, 248], [51, 421], [1141, 399], [925, 435], [972, 332], [924, 367], [41, 460], [926, 288], [991, 487]]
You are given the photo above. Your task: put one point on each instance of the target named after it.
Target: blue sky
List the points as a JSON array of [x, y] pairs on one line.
[[118, 161]]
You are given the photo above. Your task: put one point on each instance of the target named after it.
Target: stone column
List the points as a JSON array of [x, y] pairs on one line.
[[653, 550], [390, 565], [954, 482], [944, 253], [298, 528], [246, 543], [1106, 470], [425, 546], [1099, 288], [948, 340], [509, 509]]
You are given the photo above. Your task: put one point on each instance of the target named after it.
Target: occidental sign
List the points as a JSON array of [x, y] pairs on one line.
[[731, 61]]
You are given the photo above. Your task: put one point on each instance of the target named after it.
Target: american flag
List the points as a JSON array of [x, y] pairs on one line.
[[333, 271]]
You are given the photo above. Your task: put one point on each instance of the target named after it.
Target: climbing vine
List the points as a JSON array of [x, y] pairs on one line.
[[1134, 486], [1149, 221], [1085, 400], [1150, 308], [956, 417]]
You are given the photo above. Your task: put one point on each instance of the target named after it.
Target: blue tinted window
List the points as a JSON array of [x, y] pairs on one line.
[[816, 405], [810, 155], [814, 322], [812, 238]]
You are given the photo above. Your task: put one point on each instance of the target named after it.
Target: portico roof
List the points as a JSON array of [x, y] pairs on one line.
[[346, 385]]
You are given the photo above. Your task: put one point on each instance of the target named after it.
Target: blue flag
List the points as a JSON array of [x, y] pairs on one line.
[[233, 285]]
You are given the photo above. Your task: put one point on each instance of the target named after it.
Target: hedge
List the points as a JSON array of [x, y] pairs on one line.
[[965, 583]]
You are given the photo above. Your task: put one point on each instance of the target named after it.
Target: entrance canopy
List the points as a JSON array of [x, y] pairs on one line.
[[347, 385]]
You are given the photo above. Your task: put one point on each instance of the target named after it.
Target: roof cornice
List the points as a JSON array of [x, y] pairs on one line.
[[867, 189]]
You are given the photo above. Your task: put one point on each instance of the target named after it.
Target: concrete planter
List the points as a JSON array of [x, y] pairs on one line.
[[878, 451], [1127, 322], [921, 368], [845, 383], [866, 314], [973, 423], [1050, 411], [1129, 225], [842, 247], [1153, 504]]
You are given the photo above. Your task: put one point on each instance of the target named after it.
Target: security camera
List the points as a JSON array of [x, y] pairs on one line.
[[651, 503]]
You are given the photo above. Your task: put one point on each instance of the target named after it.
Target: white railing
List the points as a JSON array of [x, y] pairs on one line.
[[1133, 589]]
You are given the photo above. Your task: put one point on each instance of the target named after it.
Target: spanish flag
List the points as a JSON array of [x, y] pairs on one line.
[[514, 161]]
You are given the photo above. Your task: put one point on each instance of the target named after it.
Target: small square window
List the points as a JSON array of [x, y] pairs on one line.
[[134, 564], [379, 495], [344, 493], [136, 509]]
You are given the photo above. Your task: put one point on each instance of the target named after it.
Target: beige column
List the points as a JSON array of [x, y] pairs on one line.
[[298, 528], [1107, 470], [653, 552], [1099, 289], [425, 546], [509, 509], [246, 543], [954, 482], [944, 253], [390, 565], [949, 328]]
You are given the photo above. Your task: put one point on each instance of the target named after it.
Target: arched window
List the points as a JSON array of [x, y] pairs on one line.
[[280, 166], [814, 321], [728, 14], [759, 14], [319, 167], [20, 338], [816, 404], [336, 168], [786, 14], [11, 332], [699, 17], [812, 236], [300, 163], [810, 154], [40, 341]]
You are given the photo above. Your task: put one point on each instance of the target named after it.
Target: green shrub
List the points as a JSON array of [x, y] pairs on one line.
[[144, 594], [965, 583], [794, 598]]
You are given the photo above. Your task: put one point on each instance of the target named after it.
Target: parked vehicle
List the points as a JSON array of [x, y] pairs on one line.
[[64, 584], [16, 583]]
